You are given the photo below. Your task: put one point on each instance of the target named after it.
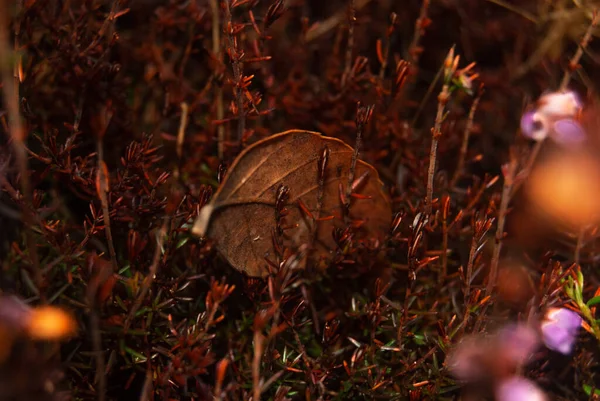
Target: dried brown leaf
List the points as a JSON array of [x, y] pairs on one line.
[[241, 215]]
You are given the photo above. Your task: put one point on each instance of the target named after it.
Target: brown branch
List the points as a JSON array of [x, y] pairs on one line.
[[414, 51], [259, 342], [216, 48], [507, 190], [465, 142], [350, 45], [574, 62], [436, 132], [10, 80], [103, 189]]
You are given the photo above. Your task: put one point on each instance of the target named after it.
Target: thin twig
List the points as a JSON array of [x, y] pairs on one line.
[[350, 45], [237, 67], [103, 190], [181, 136], [363, 115], [574, 62], [147, 388], [149, 279], [445, 208], [432, 85], [507, 191], [469, 271], [465, 142], [259, 341], [386, 53], [579, 246], [216, 48], [414, 51], [436, 132], [359, 130], [10, 87], [97, 347]]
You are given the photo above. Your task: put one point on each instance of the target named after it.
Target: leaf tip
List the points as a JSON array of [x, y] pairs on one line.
[[200, 227]]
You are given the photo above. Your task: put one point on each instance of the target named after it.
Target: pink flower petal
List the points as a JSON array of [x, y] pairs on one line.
[[534, 126], [559, 104], [518, 388], [560, 329], [518, 342], [567, 132]]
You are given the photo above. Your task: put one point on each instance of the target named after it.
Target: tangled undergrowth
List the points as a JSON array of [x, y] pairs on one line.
[[120, 120]]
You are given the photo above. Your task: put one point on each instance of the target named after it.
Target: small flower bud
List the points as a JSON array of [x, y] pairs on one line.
[[560, 328]]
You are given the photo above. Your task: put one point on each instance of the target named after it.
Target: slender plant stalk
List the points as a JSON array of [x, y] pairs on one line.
[[579, 246], [181, 136], [350, 46], [237, 67], [99, 358], [384, 62], [435, 135], [465, 143], [469, 271], [507, 191], [467, 283], [11, 81], [216, 48], [259, 341], [444, 272], [574, 63], [103, 190], [355, 154], [147, 388], [414, 51]]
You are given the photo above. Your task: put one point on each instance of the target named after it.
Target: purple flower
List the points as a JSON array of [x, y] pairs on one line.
[[517, 388], [467, 360], [560, 328], [559, 104], [518, 342], [532, 127], [568, 131], [555, 115], [478, 356]]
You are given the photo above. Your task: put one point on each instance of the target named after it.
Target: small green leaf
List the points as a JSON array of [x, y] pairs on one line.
[[579, 296], [182, 242], [569, 291], [593, 301], [588, 390], [580, 278], [137, 357]]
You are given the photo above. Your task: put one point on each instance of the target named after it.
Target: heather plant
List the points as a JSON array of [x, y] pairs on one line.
[[299, 200]]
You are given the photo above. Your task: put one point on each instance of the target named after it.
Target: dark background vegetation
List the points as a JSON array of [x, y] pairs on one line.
[[372, 325]]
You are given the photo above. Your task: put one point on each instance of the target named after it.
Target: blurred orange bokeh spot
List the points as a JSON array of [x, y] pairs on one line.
[[566, 189], [50, 323]]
